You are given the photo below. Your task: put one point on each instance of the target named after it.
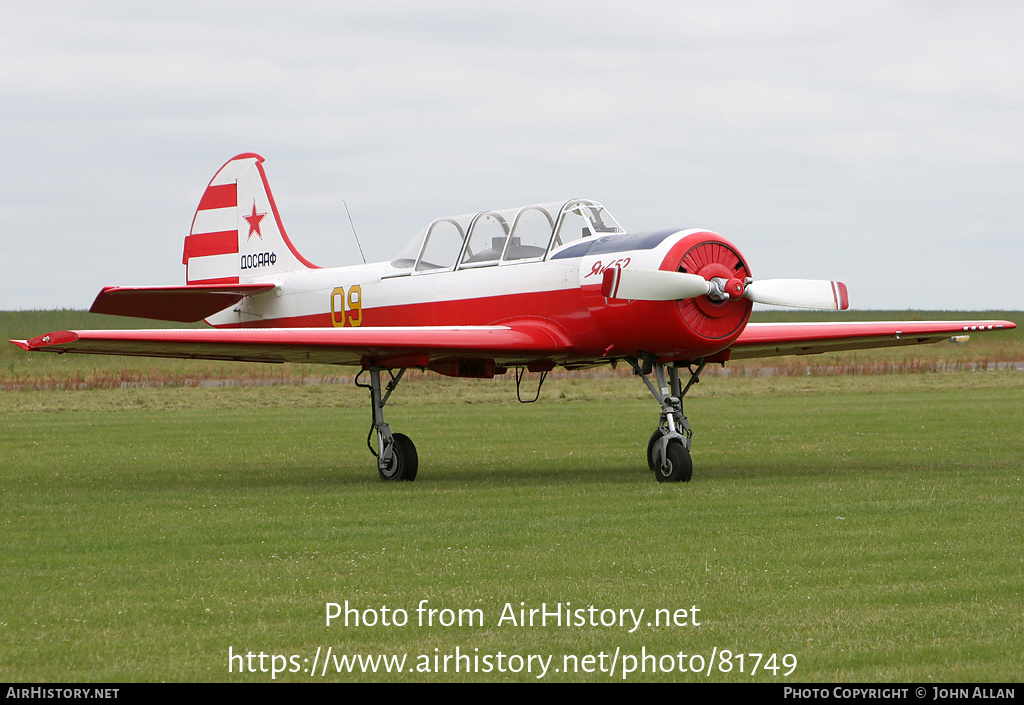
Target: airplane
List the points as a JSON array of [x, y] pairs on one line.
[[531, 288]]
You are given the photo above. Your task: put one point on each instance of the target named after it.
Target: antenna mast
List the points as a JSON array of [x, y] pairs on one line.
[[354, 231]]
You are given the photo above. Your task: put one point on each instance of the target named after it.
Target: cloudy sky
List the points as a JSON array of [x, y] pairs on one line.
[[878, 143]]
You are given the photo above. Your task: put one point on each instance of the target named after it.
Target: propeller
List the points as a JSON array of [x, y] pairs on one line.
[[660, 285], [799, 293]]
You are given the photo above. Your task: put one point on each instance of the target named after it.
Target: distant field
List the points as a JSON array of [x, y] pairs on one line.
[[18, 368]]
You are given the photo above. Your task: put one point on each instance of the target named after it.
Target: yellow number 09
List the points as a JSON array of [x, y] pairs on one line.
[[347, 311]]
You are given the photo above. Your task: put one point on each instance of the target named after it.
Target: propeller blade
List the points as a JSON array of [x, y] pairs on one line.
[[799, 293], [652, 285]]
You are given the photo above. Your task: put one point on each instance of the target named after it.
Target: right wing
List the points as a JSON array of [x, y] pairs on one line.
[[405, 346]]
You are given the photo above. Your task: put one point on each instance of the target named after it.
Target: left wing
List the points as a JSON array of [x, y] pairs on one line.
[[772, 339], [408, 346]]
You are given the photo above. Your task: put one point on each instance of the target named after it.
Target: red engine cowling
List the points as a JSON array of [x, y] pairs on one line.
[[710, 255], [688, 329]]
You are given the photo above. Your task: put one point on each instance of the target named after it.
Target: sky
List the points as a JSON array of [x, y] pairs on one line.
[[880, 144]]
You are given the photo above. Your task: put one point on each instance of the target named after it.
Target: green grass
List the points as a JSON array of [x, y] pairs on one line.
[[868, 525]]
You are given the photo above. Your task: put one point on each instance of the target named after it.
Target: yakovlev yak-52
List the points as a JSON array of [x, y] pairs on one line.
[[528, 289]]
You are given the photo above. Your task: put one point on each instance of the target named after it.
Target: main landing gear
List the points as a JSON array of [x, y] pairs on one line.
[[395, 452], [668, 451]]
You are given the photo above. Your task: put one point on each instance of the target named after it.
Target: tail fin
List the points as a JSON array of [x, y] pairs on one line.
[[237, 235]]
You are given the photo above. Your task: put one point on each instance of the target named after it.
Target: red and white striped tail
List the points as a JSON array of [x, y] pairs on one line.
[[237, 235]]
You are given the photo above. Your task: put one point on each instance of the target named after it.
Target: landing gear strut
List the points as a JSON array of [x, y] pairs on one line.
[[668, 451], [395, 452]]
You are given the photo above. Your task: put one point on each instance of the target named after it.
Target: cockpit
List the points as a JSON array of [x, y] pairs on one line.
[[527, 234]]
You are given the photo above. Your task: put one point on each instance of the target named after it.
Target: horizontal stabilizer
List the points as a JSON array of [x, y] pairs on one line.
[[184, 304]]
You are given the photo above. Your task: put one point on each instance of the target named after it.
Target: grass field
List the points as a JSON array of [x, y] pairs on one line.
[[865, 526]]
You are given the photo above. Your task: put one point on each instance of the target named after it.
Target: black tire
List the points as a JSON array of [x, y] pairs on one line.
[[404, 461], [650, 449], [680, 466]]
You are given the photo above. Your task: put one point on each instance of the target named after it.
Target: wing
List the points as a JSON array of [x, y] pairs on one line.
[[520, 343], [410, 346], [772, 339]]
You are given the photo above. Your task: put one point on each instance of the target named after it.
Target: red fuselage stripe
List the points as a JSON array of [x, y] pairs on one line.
[[591, 323], [493, 310]]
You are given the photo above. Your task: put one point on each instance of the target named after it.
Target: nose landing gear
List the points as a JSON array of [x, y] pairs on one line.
[[668, 451]]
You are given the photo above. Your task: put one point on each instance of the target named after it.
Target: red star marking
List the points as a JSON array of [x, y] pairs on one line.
[[254, 221]]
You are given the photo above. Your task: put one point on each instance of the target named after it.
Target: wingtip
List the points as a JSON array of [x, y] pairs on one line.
[[46, 340]]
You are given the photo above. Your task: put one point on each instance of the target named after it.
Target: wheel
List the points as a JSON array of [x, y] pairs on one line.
[[680, 466], [404, 461], [650, 449]]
